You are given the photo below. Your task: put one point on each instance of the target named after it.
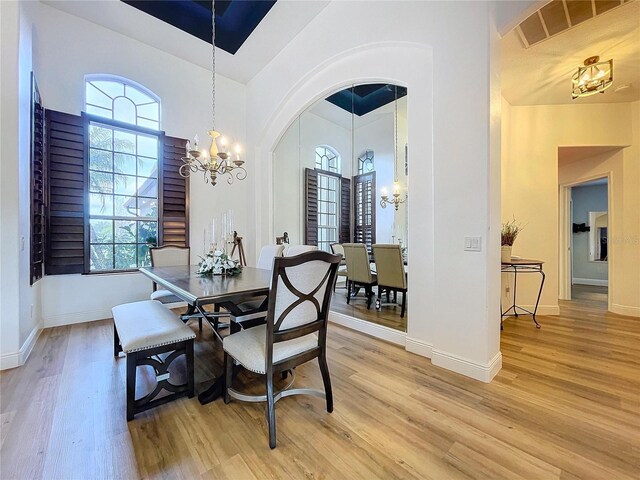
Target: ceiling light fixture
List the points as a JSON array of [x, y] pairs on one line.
[[594, 77], [396, 200], [217, 161]]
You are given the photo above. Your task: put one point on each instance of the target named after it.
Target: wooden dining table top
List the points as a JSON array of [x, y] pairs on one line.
[[198, 290]]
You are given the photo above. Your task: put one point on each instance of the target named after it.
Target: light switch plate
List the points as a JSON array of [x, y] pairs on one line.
[[472, 244]]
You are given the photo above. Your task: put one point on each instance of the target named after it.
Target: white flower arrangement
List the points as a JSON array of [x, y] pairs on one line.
[[218, 263]]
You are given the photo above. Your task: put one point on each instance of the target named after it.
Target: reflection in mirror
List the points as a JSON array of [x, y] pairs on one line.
[[330, 169], [598, 236]]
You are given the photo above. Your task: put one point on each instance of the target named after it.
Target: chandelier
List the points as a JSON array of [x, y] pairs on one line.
[[594, 77], [396, 200], [217, 161]]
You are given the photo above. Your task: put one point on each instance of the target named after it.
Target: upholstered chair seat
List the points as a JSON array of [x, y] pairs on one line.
[[249, 347]]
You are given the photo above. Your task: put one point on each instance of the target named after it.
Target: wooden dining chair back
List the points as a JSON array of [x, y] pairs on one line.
[[390, 271], [358, 270], [267, 254], [295, 330]]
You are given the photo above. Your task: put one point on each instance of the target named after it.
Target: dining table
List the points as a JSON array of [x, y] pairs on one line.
[[234, 296]]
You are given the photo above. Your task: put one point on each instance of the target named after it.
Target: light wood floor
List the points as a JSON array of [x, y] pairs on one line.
[[565, 406], [590, 294]]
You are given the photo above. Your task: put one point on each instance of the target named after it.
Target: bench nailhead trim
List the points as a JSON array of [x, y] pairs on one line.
[[147, 347]]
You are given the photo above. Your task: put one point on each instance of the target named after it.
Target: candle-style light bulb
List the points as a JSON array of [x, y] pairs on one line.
[[396, 188], [384, 191], [238, 149]]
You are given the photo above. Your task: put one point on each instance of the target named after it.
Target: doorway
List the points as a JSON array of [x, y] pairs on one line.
[[588, 225]]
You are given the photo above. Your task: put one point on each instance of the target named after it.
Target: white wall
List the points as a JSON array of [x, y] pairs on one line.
[[66, 49], [585, 199], [530, 179], [424, 46], [9, 215], [20, 311]]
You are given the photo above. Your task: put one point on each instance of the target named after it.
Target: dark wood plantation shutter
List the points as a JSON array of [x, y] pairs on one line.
[[364, 209], [66, 205], [38, 189], [174, 195], [345, 210], [311, 207]]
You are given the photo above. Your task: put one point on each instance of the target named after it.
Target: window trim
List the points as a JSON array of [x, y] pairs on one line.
[[87, 118], [109, 77], [338, 158]]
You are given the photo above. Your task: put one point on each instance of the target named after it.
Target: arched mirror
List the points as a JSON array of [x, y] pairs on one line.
[[340, 183]]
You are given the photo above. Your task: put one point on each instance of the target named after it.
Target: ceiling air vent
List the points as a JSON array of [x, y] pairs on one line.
[[558, 16]]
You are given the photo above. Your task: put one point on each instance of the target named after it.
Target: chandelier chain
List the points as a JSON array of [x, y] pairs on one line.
[[213, 64], [395, 137]]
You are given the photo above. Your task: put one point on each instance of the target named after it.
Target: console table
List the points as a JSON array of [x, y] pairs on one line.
[[522, 265]]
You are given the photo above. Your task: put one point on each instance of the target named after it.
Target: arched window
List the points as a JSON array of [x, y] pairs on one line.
[[327, 159], [120, 99], [123, 165], [365, 162]]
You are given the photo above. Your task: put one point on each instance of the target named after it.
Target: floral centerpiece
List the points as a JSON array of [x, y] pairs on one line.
[[218, 262]]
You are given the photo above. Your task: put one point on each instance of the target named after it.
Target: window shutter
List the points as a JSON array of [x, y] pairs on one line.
[[65, 140], [345, 210], [175, 195], [38, 219], [364, 208], [311, 207]]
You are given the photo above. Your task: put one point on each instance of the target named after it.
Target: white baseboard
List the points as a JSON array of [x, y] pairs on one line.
[[590, 281], [29, 343], [542, 309], [419, 347], [625, 310], [484, 373], [72, 318], [16, 359], [370, 328], [9, 360], [76, 317]]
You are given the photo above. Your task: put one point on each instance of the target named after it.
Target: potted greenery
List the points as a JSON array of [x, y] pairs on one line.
[[510, 231]]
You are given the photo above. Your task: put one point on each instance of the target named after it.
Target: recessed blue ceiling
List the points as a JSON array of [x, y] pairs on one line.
[[235, 19], [366, 98]]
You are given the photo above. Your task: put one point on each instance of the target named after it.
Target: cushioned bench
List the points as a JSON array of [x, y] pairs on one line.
[[146, 329]]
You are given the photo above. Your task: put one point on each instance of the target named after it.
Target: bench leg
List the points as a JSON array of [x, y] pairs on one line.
[[132, 361], [116, 341], [190, 369]]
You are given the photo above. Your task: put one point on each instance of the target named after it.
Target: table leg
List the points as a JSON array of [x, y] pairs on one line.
[[535, 310], [217, 389], [515, 290]]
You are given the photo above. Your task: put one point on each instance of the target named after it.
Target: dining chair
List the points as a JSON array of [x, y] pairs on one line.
[[338, 249], [359, 270], [267, 254], [168, 256], [253, 311], [295, 331], [293, 250], [391, 273], [172, 256]]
